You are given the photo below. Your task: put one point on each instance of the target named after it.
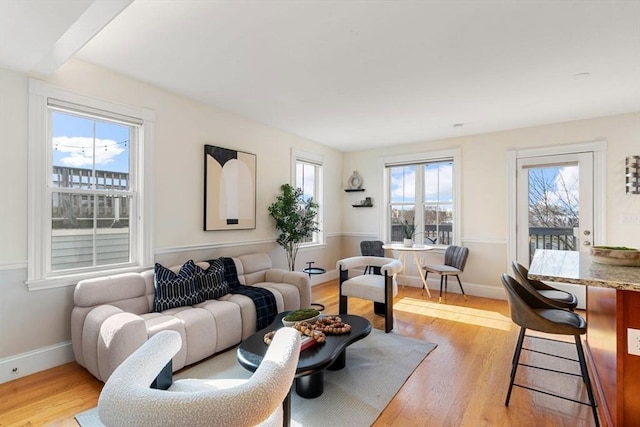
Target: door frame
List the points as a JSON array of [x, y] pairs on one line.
[[599, 150]]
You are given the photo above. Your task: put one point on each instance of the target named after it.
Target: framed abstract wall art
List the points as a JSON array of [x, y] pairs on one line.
[[229, 189]]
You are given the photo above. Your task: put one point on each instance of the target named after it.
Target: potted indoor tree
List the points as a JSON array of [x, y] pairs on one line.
[[295, 219]]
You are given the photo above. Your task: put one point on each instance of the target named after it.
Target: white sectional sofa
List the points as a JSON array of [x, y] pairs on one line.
[[113, 316]]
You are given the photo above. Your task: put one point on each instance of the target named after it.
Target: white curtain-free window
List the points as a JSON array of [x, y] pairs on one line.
[[308, 168], [422, 191], [89, 187]]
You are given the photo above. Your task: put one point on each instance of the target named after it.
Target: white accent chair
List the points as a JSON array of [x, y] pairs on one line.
[[127, 399], [377, 288]]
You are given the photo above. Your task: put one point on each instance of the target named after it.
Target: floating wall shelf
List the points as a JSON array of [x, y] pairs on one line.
[[632, 174]]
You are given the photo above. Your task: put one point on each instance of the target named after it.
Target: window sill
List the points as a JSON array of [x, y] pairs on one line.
[[73, 279], [312, 246]]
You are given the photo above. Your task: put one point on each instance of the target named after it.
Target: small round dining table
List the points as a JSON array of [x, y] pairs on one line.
[[403, 250]]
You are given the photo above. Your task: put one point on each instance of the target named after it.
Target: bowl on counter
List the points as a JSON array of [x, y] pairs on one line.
[[616, 255]]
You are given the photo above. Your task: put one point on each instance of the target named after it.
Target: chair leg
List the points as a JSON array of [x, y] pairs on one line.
[[586, 380], [426, 273], [460, 283], [343, 305], [514, 364], [342, 299], [388, 302]]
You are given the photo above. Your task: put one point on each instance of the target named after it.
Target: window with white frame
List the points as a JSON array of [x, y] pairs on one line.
[[308, 177], [90, 211], [422, 193]]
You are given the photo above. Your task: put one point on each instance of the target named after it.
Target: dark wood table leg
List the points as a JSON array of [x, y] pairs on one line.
[[310, 386], [340, 362]]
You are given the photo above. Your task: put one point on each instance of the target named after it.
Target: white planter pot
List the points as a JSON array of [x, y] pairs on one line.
[[408, 243]]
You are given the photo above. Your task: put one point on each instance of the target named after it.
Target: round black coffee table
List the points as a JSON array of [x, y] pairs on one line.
[[313, 361]]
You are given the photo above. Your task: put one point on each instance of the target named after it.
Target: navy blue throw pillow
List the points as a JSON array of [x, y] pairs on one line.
[[210, 283], [174, 290]]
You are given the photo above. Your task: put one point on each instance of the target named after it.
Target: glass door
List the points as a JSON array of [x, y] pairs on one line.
[[554, 204]]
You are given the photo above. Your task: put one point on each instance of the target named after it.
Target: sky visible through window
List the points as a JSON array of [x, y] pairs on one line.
[[554, 181], [73, 143], [438, 186], [305, 179], [554, 194]]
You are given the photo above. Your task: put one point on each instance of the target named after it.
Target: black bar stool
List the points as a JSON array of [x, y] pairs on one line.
[[549, 294], [529, 311]]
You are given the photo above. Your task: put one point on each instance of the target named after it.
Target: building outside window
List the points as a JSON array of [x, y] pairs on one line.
[[90, 210], [92, 195]]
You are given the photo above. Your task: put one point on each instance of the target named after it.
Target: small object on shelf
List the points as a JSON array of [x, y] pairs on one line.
[[632, 175], [355, 181], [367, 202]]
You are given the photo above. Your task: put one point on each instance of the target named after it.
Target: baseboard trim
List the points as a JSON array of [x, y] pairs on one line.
[[473, 289], [317, 279], [21, 365]]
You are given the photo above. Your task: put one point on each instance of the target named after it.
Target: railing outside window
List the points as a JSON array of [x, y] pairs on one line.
[[559, 238], [433, 234]]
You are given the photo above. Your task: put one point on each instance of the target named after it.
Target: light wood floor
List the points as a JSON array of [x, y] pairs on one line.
[[462, 382]]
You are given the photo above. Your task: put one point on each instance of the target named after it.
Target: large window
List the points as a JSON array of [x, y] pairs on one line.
[[89, 211], [421, 198], [308, 177], [91, 191]]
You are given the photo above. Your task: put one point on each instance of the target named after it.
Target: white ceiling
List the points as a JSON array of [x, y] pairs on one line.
[[353, 74]]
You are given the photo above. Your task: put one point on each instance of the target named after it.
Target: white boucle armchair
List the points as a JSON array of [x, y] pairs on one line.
[[377, 288], [127, 399]]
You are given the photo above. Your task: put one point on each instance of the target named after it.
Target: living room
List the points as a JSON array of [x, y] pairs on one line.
[[35, 320]]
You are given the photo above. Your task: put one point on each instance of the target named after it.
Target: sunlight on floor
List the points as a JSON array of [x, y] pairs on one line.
[[456, 313]]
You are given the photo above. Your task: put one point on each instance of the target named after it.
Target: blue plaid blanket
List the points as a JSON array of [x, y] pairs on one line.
[[263, 299]]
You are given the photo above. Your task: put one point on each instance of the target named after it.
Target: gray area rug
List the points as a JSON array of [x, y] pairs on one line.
[[377, 367]]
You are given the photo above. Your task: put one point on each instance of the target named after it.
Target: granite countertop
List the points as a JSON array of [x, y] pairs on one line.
[[578, 267]]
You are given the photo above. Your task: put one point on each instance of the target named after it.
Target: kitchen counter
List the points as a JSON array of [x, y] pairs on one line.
[[578, 268], [612, 307]]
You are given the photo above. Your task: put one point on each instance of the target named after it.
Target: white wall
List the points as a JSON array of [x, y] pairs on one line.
[[33, 324], [484, 190]]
